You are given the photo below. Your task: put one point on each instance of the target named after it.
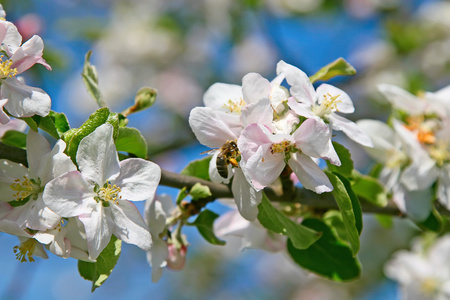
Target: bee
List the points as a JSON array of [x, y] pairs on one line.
[[228, 154]]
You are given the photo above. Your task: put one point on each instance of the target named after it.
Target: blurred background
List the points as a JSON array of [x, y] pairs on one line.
[[181, 47]]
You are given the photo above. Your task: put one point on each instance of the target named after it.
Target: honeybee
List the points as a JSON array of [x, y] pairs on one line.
[[228, 154]]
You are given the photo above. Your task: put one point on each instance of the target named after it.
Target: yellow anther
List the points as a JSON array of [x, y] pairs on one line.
[[25, 188], [5, 68], [328, 105], [234, 106], [429, 286], [25, 250], [440, 152], [110, 193], [282, 147]]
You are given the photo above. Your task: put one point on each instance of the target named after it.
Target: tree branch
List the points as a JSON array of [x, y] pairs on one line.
[[302, 196]]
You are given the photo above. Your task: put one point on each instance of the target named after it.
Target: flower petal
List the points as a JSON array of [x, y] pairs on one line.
[[260, 112], [343, 104], [97, 156], [28, 54], [301, 109], [98, 225], [129, 226], [157, 258], [38, 147], [138, 179], [350, 129], [246, 197], [217, 95], [301, 87], [313, 138], [309, 174], [401, 99], [255, 87]]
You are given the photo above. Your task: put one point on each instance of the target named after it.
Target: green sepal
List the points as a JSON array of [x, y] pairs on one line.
[[90, 80], [99, 271], [339, 67], [272, 219], [131, 140], [328, 256], [350, 208], [15, 138], [198, 168], [346, 167], [204, 223]]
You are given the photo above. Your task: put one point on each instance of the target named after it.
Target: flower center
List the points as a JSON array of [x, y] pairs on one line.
[[328, 105], [234, 106], [424, 130], [108, 193], [5, 68], [440, 152], [283, 147], [26, 187], [25, 250], [429, 286], [396, 159]]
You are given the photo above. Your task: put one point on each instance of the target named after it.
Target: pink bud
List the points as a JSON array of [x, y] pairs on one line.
[[177, 257], [29, 25]]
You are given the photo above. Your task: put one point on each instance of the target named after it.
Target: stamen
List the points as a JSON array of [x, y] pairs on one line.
[[328, 105], [5, 68], [25, 250], [234, 106], [109, 193], [25, 188], [283, 147]]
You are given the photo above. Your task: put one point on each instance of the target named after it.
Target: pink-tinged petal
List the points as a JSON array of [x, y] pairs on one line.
[[60, 161], [313, 138], [129, 226], [264, 167], [401, 99], [255, 87], [246, 197], [38, 146], [344, 104], [157, 257], [301, 87], [8, 222], [252, 137], [350, 129], [138, 179], [4, 118], [209, 128], [10, 37], [231, 224], [14, 124], [260, 112], [177, 257], [9, 172], [98, 226], [28, 54], [97, 156], [70, 195], [36, 215], [217, 95], [24, 100], [301, 109], [309, 174], [331, 154]]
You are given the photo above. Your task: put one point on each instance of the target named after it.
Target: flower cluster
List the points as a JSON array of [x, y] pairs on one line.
[[414, 149], [16, 98], [261, 129]]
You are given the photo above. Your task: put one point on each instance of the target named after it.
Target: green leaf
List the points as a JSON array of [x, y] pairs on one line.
[[350, 209], [131, 140], [95, 120], [346, 167], [144, 99], [198, 168], [15, 139], [98, 271], [433, 222], [328, 256], [60, 121], [199, 191], [273, 220], [370, 189], [204, 223], [54, 123], [181, 195], [90, 79], [338, 67], [31, 123], [333, 219], [384, 220]]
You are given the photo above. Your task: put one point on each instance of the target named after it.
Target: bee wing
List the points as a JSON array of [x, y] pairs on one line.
[[209, 152]]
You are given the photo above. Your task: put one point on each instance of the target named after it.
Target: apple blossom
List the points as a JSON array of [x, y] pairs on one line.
[[96, 194]]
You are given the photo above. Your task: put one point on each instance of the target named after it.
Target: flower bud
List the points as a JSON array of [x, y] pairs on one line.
[[177, 257]]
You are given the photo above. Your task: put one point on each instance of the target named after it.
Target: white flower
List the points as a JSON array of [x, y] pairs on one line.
[[321, 104], [97, 194], [20, 183], [422, 273]]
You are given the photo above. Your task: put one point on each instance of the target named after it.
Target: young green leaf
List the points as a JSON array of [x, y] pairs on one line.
[[370, 189], [204, 223], [337, 68], [346, 167], [328, 256], [131, 140], [144, 99], [433, 222], [99, 271], [90, 79], [198, 168], [350, 209], [273, 220], [199, 191], [15, 139]]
